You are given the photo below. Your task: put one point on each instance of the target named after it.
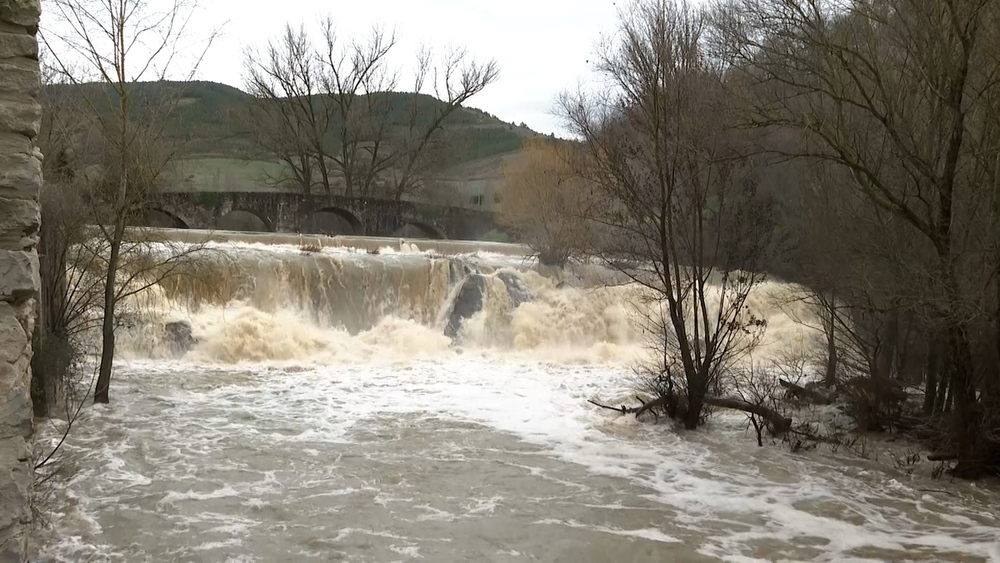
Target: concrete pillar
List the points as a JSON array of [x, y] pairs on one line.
[[20, 182]]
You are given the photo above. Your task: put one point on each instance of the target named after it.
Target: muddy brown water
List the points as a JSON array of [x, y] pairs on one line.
[[323, 416]]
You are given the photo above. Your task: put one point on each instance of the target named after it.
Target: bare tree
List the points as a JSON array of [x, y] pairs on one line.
[[288, 116], [676, 195], [892, 93], [456, 79], [355, 72], [329, 111], [121, 45]]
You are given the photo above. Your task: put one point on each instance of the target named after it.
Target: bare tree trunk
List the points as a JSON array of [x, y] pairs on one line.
[[830, 379], [324, 176], [50, 362], [903, 360], [933, 380], [108, 326], [949, 397], [886, 355], [695, 401], [963, 393], [944, 397], [692, 417]]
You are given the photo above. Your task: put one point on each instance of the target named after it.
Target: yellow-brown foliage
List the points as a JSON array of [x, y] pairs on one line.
[[544, 201]]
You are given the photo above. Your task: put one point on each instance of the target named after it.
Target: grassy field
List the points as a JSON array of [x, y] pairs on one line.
[[216, 174]]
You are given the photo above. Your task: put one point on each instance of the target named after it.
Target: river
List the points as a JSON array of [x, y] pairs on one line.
[[323, 415]]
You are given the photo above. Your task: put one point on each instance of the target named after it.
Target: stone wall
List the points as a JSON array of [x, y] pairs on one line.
[[20, 181]]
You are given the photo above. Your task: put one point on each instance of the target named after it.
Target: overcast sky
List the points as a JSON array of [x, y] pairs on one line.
[[542, 46]]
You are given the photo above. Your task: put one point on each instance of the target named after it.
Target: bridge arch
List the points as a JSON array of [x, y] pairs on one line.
[[419, 229], [333, 221], [244, 220], [161, 218]]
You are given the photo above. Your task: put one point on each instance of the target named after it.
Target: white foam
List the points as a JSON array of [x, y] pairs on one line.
[[650, 534], [176, 496], [411, 551], [701, 479]]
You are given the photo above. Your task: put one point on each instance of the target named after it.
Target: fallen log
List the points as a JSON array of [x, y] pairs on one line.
[[648, 407], [778, 423], [943, 456], [801, 393], [622, 409]]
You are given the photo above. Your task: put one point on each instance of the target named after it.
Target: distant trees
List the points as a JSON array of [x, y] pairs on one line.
[[677, 199], [546, 203], [327, 109], [898, 99]]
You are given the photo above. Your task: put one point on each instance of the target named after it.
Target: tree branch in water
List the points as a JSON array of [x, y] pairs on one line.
[[778, 422]]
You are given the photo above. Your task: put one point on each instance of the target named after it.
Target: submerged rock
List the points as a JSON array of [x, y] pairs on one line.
[[179, 338], [517, 290], [471, 298], [468, 302], [459, 269]]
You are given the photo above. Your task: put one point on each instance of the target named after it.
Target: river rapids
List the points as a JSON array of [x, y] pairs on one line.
[[323, 413]]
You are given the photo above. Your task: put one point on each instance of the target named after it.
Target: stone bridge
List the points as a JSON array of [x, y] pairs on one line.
[[290, 212]]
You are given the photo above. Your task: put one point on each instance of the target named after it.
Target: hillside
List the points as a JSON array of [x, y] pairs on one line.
[[207, 122]]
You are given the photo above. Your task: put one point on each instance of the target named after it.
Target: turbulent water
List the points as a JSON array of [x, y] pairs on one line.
[[323, 415]]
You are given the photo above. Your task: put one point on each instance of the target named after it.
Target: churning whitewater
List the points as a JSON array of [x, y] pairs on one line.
[[409, 405]]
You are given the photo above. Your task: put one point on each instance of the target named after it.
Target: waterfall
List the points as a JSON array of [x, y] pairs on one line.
[[254, 302]]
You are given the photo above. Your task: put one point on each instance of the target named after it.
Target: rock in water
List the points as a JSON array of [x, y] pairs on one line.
[[459, 269], [179, 338], [517, 290], [468, 302]]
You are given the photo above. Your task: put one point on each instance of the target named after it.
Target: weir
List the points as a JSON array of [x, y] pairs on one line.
[[371, 244], [243, 292], [322, 296]]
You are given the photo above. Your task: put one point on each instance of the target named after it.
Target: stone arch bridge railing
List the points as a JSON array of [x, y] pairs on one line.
[[294, 213]]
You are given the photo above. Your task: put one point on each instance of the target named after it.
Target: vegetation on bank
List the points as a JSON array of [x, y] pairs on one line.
[[545, 202], [848, 147]]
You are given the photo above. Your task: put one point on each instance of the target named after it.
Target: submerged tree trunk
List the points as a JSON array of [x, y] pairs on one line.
[[692, 417], [696, 398], [108, 326], [963, 395], [778, 422]]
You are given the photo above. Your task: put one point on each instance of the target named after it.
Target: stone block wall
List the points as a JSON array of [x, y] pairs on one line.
[[20, 182]]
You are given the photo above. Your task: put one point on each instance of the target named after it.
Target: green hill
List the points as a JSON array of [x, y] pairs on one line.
[[207, 122]]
